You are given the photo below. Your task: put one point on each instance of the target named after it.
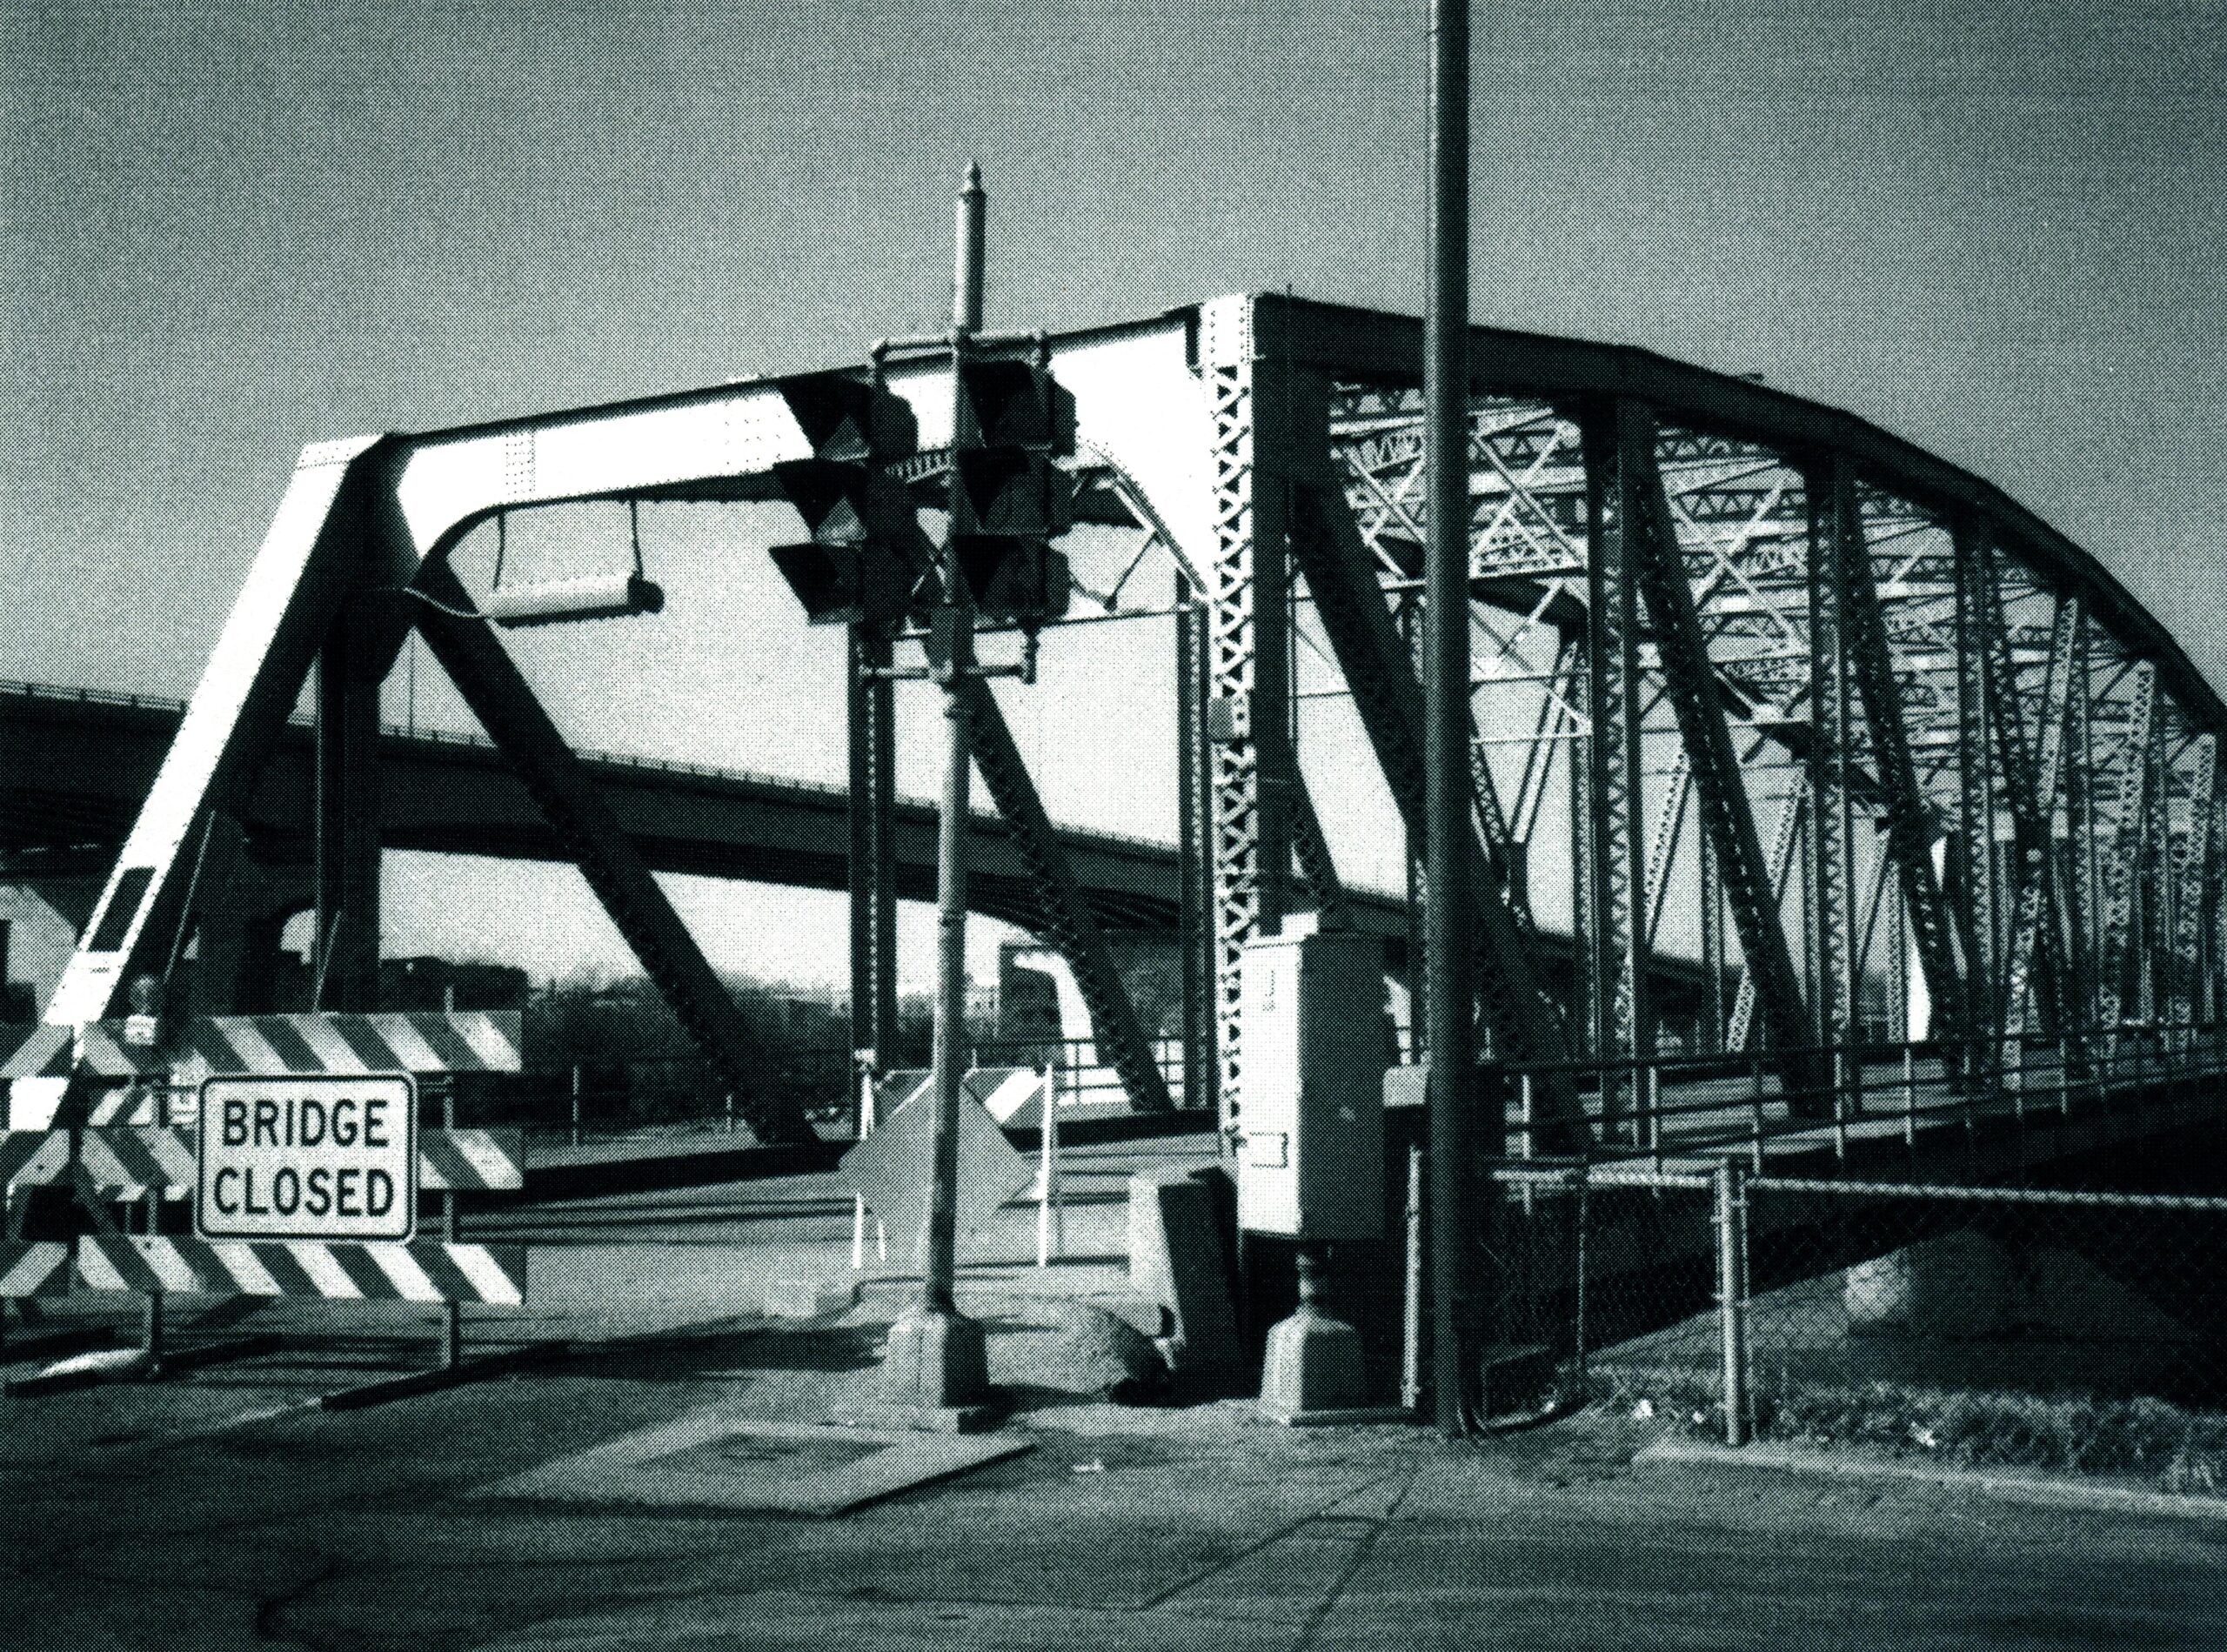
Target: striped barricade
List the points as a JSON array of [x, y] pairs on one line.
[[1004, 1091], [488, 1160], [125, 1164], [420, 1042], [39, 1267], [119, 1164], [424, 1272], [401, 1041]]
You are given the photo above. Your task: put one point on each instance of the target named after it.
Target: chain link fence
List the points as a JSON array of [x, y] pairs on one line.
[[1974, 1325]]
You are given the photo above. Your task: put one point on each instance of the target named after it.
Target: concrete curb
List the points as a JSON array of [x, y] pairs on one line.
[[2010, 1484]]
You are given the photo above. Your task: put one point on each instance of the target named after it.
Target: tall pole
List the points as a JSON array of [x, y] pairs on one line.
[[936, 1358], [939, 1265], [1446, 697]]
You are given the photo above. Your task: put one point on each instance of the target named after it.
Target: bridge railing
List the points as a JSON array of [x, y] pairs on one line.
[[1697, 1104]]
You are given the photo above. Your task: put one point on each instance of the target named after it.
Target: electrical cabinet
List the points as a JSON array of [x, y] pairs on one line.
[[1311, 1145]]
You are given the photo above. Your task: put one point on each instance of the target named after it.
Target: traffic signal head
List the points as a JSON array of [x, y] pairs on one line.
[[1012, 577], [846, 417], [842, 585], [1014, 404], [1011, 491], [867, 550]]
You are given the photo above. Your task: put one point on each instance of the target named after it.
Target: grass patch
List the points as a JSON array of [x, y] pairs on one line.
[[2149, 1441]]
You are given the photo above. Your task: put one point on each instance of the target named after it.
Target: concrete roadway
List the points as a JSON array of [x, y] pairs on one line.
[[219, 1509]]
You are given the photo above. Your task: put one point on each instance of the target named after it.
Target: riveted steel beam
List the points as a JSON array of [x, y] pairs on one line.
[[1717, 778], [2191, 877], [1066, 918], [1786, 836], [2131, 823], [2036, 931], [1616, 509], [1711, 891], [2080, 878], [873, 740], [1832, 962], [1974, 905], [1910, 819], [2215, 932], [1245, 376], [1662, 847], [1195, 867], [345, 955], [2153, 892]]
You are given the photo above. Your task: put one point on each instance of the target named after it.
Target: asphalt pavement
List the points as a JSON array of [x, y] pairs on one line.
[[225, 1508]]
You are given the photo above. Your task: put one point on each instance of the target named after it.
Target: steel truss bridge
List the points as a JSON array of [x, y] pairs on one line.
[[1758, 685]]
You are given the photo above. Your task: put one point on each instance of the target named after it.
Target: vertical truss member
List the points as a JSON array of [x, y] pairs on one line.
[[1660, 567], [2191, 875], [1241, 364], [2119, 965], [1193, 866], [1976, 749], [2036, 959], [344, 949], [1833, 964], [1616, 873], [872, 732]]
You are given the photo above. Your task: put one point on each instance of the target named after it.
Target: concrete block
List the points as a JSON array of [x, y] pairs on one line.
[[1176, 1259], [809, 1298], [936, 1360], [1314, 1364]]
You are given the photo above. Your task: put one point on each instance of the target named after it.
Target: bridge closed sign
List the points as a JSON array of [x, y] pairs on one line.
[[302, 1156]]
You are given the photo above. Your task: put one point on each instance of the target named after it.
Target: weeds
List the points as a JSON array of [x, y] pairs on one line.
[[2147, 1439]]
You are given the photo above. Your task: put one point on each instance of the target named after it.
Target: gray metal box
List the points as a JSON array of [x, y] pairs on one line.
[[1311, 1151]]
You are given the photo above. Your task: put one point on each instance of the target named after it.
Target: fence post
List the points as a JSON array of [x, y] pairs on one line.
[[1731, 1217], [857, 1200], [1756, 1107], [1051, 1214], [576, 1104], [1411, 1315]]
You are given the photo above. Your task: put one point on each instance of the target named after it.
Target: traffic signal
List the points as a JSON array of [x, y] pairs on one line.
[[1007, 499], [867, 550], [866, 553]]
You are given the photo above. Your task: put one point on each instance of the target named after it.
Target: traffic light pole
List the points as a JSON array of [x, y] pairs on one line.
[[937, 1361]]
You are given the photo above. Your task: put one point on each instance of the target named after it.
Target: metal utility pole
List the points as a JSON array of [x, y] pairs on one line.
[[956, 618], [1446, 701], [937, 1357]]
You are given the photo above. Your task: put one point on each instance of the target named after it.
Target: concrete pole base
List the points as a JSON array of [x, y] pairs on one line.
[[1314, 1364], [936, 1360]]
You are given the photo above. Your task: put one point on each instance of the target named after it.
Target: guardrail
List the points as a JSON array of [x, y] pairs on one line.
[[1704, 1104]]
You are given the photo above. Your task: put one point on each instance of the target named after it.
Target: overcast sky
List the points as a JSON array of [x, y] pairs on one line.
[[231, 229]]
